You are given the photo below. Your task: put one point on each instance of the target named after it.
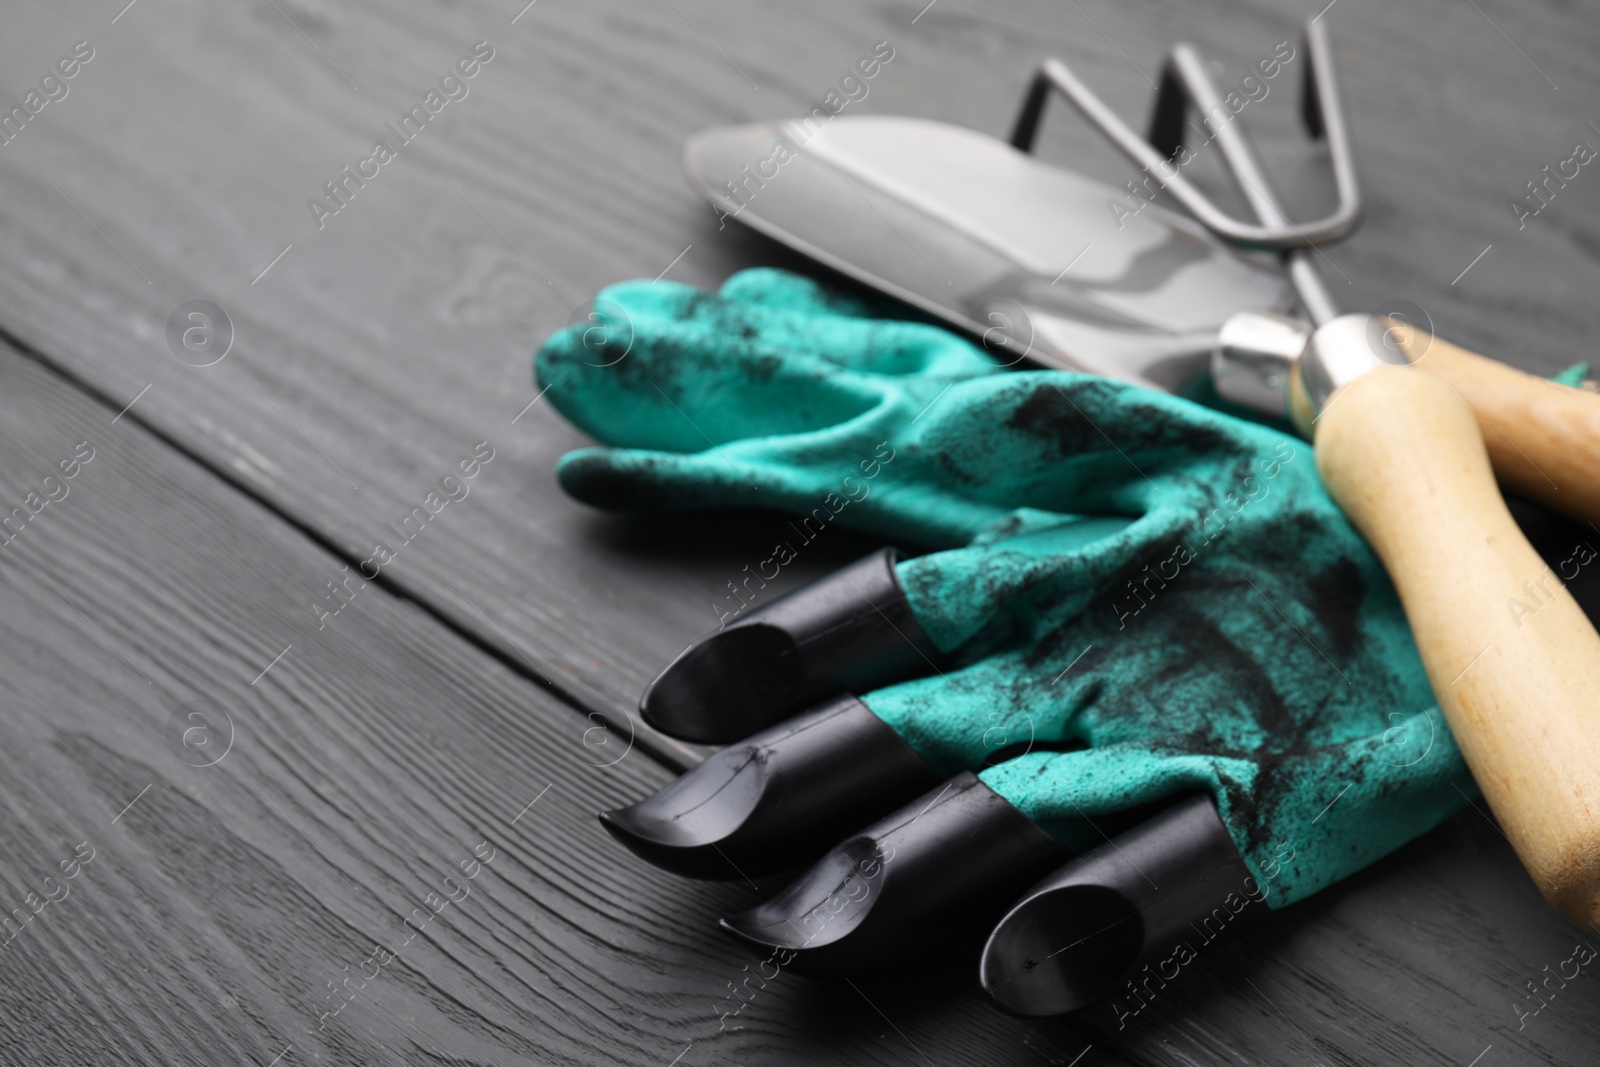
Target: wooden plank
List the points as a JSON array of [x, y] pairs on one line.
[[229, 883], [382, 346], [397, 336]]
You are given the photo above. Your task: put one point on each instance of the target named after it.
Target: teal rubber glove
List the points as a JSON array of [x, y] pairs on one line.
[[1169, 586]]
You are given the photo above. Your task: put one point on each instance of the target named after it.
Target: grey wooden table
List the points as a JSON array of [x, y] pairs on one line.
[[463, 716]]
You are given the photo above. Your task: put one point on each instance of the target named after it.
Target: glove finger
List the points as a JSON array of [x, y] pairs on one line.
[[1301, 819], [947, 861], [790, 314], [1158, 892], [1072, 794], [844, 480], [653, 357], [856, 630], [777, 799], [844, 489], [1166, 888], [626, 479]]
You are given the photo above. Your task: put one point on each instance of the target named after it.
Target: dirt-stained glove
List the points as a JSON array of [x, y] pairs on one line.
[[1137, 605]]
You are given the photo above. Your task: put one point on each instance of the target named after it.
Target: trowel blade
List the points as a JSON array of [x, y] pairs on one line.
[[1030, 258]]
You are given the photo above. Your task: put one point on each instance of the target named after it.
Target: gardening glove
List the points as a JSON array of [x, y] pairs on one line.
[[1139, 606]]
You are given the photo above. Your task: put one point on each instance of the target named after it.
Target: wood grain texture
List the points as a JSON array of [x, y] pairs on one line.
[[1543, 438], [382, 345], [365, 766], [380, 348]]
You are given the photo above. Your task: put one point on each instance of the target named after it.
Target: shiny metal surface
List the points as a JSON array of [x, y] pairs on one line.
[[1255, 354], [1028, 257], [1322, 110], [1254, 183], [1340, 352]]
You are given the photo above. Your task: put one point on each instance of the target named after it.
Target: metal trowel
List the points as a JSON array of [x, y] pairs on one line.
[[1026, 256]]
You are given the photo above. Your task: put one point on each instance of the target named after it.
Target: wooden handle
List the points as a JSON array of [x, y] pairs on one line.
[[1514, 662], [1543, 438]]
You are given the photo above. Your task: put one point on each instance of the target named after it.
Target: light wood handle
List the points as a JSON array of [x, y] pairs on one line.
[[1514, 662], [1543, 438]]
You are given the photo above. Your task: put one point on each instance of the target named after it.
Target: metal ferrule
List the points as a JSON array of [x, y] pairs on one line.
[[1255, 354], [1338, 353]]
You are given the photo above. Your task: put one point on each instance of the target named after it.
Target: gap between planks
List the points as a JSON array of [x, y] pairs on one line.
[[664, 751]]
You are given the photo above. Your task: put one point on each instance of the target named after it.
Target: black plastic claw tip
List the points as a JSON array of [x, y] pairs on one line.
[[777, 799], [1087, 928], [871, 900], [847, 633]]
